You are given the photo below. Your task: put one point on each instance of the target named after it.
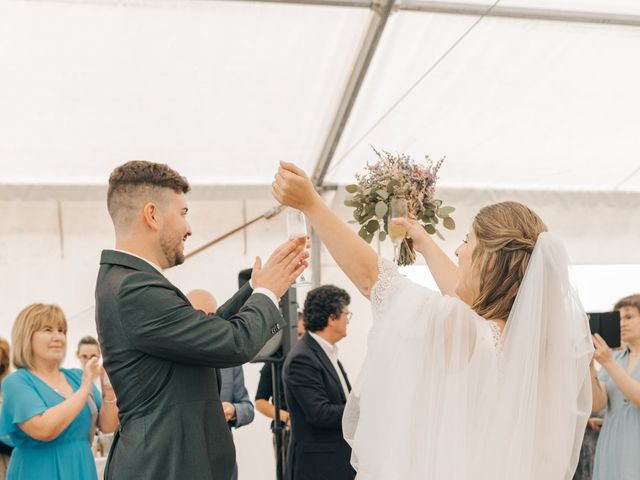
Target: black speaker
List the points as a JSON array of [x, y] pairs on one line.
[[278, 346]]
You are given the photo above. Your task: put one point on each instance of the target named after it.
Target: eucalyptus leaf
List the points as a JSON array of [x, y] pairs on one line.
[[448, 223], [435, 220], [445, 211], [372, 226], [351, 188], [392, 185], [430, 229], [382, 235], [381, 209], [366, 217], [363, 232], [367, 236], [382, 194], [356, 214]]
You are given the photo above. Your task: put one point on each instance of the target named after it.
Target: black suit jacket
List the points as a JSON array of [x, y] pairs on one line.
[[316, 401], [161, 356]]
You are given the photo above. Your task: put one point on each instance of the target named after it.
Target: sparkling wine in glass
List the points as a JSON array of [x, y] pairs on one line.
[[296, 228], [399, 209]]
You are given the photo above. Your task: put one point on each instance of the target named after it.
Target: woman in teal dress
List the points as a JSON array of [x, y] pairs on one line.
[[618, 388], [49, 413]]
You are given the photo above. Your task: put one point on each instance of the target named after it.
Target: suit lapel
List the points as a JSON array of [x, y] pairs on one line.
[[326, 363], [344, 374], [115, 257]]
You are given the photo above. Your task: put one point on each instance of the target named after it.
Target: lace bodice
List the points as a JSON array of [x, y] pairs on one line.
[[387, 273]]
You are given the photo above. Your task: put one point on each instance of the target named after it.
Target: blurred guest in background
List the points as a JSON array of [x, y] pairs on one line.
[[617, 387], [317, 388], [50, 413], [264, 394], [584, 470], [88, 348], [5, 365], [237, 407]]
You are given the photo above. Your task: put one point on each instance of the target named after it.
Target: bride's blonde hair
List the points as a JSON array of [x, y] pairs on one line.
[[506, 233]]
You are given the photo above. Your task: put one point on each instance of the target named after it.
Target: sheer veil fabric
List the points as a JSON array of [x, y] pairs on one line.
[[439, 399]]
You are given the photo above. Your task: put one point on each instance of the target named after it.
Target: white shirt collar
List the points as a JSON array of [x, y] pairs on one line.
[[141, 258], [330, 349]]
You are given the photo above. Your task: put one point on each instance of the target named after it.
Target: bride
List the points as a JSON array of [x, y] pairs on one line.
[[487, 380]]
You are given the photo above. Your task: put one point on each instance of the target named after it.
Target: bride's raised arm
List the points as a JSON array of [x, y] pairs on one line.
[[444, 271], [292, 187]]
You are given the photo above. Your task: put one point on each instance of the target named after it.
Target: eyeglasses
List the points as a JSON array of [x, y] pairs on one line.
[[349, 315]]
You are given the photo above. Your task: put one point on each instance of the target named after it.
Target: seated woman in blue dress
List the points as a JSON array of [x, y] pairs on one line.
[[49, 413], [617, 387]]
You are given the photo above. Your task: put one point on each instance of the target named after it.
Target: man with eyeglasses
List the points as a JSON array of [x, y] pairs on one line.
[[316, 388]]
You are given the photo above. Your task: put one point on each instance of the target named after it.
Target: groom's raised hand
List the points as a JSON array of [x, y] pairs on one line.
[[285, 264], [292, 187]]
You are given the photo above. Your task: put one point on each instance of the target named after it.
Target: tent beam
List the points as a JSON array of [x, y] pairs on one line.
[[523, 13], [359, 71], [434, 6], [474, 9]]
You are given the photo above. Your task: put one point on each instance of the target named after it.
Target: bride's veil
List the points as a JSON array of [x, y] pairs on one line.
[[435, 401], [544, 389]]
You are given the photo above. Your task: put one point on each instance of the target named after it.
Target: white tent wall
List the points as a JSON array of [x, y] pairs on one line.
[[49, 252]]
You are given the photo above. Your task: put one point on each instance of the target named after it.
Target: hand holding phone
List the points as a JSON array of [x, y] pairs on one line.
[[607, 326]]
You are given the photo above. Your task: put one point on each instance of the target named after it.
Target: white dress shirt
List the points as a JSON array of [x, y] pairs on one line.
[[332, 352], [264, 291]]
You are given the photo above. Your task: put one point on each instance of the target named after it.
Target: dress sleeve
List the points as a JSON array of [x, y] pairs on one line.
[[387, 275], [20, 402]]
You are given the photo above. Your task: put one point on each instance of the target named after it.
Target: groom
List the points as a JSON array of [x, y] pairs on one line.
[[160, 353]]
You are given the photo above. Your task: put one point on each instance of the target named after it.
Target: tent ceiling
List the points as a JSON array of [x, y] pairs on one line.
[[517, 103], [223, 90]]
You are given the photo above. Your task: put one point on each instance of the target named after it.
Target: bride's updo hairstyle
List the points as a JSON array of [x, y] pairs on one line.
[[506, 233]]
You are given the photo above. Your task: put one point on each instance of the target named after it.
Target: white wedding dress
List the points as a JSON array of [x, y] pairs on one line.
[[443, 396]]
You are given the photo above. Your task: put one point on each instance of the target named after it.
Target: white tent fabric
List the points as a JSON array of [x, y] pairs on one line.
[[537, 101], [205, 85]]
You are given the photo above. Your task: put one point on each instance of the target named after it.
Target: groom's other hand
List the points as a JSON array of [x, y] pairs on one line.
[[292, 187], [285, 264]]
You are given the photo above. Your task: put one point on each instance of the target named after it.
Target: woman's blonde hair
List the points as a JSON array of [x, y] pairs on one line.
[[506, 234], [31, 319], [5, 358]]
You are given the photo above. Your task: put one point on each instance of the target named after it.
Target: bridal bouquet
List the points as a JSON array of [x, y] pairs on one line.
[[398, 177]]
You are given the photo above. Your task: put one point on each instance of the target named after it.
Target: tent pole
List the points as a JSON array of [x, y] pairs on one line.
[[379, 17]]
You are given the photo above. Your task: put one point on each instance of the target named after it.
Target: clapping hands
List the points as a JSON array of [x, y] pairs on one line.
[[285, 264]]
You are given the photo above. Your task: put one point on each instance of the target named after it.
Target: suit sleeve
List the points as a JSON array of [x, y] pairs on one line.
[[235, 303], [304, 382], [160, 322], [244, 408]]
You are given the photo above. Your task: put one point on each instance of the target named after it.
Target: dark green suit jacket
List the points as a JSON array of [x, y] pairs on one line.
[[161, 355]]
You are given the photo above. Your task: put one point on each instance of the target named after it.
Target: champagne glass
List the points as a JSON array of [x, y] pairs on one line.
[[399, 209], [296, 228]]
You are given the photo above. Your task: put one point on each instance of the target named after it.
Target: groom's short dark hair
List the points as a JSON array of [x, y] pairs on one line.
[[139, 181], [321, 303]]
